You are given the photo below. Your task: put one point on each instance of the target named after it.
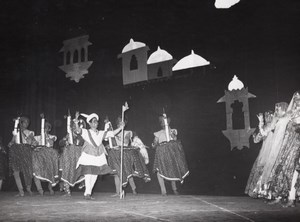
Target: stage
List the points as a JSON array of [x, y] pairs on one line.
[[142, 207]]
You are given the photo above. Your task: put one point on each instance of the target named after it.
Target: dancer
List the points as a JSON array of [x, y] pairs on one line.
[[71, 151], [280, 121], [92, 161], [20, 154], [285, 173], [133, 160], [45, 159], [169, 162], [254, 187]]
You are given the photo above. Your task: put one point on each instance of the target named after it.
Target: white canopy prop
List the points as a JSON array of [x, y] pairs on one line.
[[190, 61], [235, 84], [132, 45], [224, 4], [159, 55]]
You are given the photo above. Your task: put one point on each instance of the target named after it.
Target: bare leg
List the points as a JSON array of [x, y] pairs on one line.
[[161, 184], [132, 185], [50, 189], [19, 183], [38, 186], [117, 184], [174, 188]]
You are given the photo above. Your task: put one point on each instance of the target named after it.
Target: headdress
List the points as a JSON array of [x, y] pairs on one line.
[[90, 117]]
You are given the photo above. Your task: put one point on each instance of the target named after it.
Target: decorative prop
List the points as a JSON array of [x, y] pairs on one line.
[[166, 126], [43, 136], [76, 62], [111, 140], [224, 4], [236, 92], [134, 62], [69, 128], [124, 108], [190, 61], [160, 64], [16, 131]]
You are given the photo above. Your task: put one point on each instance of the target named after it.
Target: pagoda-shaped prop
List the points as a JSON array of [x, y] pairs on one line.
[[76, 62], [160, 64], [238, 138], [134, 62]]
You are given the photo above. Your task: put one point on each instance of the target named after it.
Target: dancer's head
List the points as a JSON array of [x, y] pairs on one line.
[[24, 122], [280, 108]]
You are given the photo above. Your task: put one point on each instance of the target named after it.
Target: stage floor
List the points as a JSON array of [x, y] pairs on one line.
[[143, 207]]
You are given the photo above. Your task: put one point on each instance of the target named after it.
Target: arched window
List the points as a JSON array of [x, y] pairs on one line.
[[238, 121], [133, 63], [159, 72], [68, 57], [75, 56]]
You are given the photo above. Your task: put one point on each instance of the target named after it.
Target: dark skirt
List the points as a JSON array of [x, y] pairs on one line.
[[45, 164], [20, 159], [94, 170], [133, 164], [170, 161], [67, 165]]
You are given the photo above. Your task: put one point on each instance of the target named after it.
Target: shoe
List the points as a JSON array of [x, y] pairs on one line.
[[176, 192], [115, 195], [67, 195], [164, 194], [81, 186], [134, 192], [88, 197], [41, 192], [20, 194], [289, 203], [51, 192], [30, 193], [276, 201]]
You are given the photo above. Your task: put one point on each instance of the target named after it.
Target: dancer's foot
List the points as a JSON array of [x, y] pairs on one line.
[[41, 192], [176, 192], [289, 203], [51, 192], [115, 195], [134, 192], [20, 194], [81, 186], [276, 201], [164, 194], [88, 197], [67, 195]]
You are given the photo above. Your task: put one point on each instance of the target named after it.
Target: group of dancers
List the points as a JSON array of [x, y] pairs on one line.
[[275, 173], [88, 152]]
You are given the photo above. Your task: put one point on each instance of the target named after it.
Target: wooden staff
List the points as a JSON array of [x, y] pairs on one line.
[[124, 108]]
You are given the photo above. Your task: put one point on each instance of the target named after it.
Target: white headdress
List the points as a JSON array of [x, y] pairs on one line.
[[90, 117]]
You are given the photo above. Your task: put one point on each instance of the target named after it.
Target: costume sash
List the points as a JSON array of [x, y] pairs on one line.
[[101, 148]]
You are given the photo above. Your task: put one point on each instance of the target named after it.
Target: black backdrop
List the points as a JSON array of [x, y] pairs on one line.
[[257, 41]]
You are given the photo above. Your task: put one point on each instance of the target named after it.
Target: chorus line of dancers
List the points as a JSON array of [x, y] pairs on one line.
[[88, 152], [275, 173]]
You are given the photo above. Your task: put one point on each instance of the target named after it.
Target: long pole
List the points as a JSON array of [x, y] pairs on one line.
[[124, 108]]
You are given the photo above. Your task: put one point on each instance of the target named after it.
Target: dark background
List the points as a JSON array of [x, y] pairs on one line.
[[259, 41]]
